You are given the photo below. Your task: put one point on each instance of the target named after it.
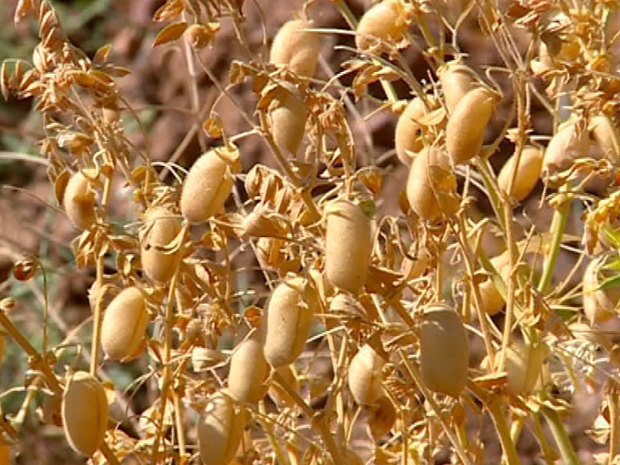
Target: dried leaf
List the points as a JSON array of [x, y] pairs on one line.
[[102, 54], [213, 126], [61, 184], [170, 33], [4, 80]]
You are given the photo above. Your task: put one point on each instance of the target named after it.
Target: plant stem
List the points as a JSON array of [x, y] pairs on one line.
[[494, 406], [561, 437], [558, 225], [94, 360], [317, 420]]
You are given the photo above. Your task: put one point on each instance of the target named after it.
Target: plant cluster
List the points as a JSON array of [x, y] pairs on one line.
[[403, 323]]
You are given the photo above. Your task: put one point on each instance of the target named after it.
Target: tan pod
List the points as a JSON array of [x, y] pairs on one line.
[[220, 430], [79, 201], [384, 22], [528, 172], [365, 375], [348, 243], [431, 186], [289, 316], [287, 117], [466, 126], [492, 300], [84, 413], [296, 48], [456, 80], [444, 350], [523, 365], [248, 370], [408, 139], [598, 305], [124, 325], [606, 136], [161, 228], [209, 183], [566, 145]]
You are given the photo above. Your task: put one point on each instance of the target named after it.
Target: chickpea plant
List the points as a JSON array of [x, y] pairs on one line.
[[402, 326]]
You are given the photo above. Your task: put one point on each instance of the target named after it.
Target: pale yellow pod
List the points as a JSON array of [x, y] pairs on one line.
[[431, 186], [289, 315], [348, 243], [84, 413], [124, 325], [606, 136], [528, 172], [296, 47], [444, 350], [209, 183], [598, 305], [408, 139], [523, 366], [287, 118], [466, 126], [220, 430], [566, 145], [492, 300], [161, 227], [79, 201], [456, 80], [365, 375], [386, 21], [248, 370]]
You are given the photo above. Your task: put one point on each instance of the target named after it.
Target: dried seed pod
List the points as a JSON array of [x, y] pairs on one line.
[[606, 136], [296, 47], [408, 135], [209, 183], [566, 145], [528, 172], [79, 201], [385, 23], [382, 418], [365, 375], [204, 359], [492, 300], [262, 222], [431, 186], [84, 413], [161, 228], [289, 316], [220, 430], [248, 370], [287, 117], [348, 243], [466, 126], [124, 325], [444, 350], [269, 252], [456, 81], [598, 305], [523, 366]]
